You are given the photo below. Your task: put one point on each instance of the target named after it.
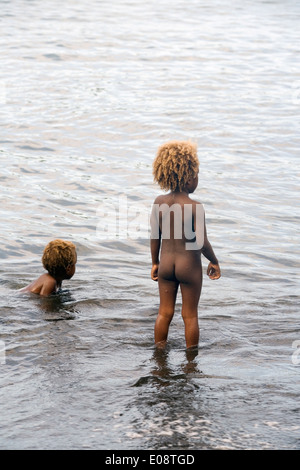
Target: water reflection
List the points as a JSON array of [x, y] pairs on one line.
[[163, 368], [165, 372], [55, 307], [170, 402]]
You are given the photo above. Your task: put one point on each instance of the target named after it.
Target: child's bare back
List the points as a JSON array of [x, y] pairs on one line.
[[180, 257]]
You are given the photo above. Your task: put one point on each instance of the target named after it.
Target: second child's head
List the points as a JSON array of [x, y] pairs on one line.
[[176, 166], [59, 259]]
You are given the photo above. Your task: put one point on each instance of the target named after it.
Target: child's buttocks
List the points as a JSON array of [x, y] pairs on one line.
[[186, 268]]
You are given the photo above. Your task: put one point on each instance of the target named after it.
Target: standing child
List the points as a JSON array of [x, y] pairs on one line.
[[178, 235], [59, 259]]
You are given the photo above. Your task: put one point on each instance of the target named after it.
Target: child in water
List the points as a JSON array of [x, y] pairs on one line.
[[178, 235], [59, 259]]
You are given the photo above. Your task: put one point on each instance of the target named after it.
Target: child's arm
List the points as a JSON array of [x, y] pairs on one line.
[[213, 269], [155, 240], [155, 247]]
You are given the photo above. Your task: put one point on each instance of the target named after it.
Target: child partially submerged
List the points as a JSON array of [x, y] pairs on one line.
[[178, 237], [59, 259]]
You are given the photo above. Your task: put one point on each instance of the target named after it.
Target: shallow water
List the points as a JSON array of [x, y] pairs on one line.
[[87, 95]]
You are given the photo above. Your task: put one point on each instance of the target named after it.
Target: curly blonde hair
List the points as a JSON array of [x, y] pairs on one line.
[[175, 163], [58, 255]]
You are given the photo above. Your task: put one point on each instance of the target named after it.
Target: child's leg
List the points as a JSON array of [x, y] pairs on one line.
[[167, 293], [190, 299]]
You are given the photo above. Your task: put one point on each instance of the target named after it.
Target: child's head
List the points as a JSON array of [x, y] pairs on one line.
[[175, 164], [59, 259]]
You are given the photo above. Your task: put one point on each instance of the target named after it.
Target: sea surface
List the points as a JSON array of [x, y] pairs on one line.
[[88, 91]]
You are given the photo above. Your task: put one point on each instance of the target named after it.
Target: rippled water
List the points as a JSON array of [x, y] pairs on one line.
[[87, 95]]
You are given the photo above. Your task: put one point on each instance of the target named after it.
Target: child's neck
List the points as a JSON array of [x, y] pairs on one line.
[[58, 281], [184, 192]]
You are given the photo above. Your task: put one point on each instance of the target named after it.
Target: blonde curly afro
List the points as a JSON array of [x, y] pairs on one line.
[[58, 255], [175, 163]]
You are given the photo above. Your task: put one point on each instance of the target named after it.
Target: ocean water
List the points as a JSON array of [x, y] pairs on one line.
[[87, 94]]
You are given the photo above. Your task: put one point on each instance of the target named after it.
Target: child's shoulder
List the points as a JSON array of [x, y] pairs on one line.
[[44, 285], [198, 207], [197, 202], [160, 199], [48, 284]]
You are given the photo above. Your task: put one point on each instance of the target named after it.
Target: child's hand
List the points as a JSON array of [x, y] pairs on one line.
[[154, 272], [213, 271]]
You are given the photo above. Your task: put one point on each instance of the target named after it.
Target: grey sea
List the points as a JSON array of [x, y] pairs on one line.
[[88, 91]]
